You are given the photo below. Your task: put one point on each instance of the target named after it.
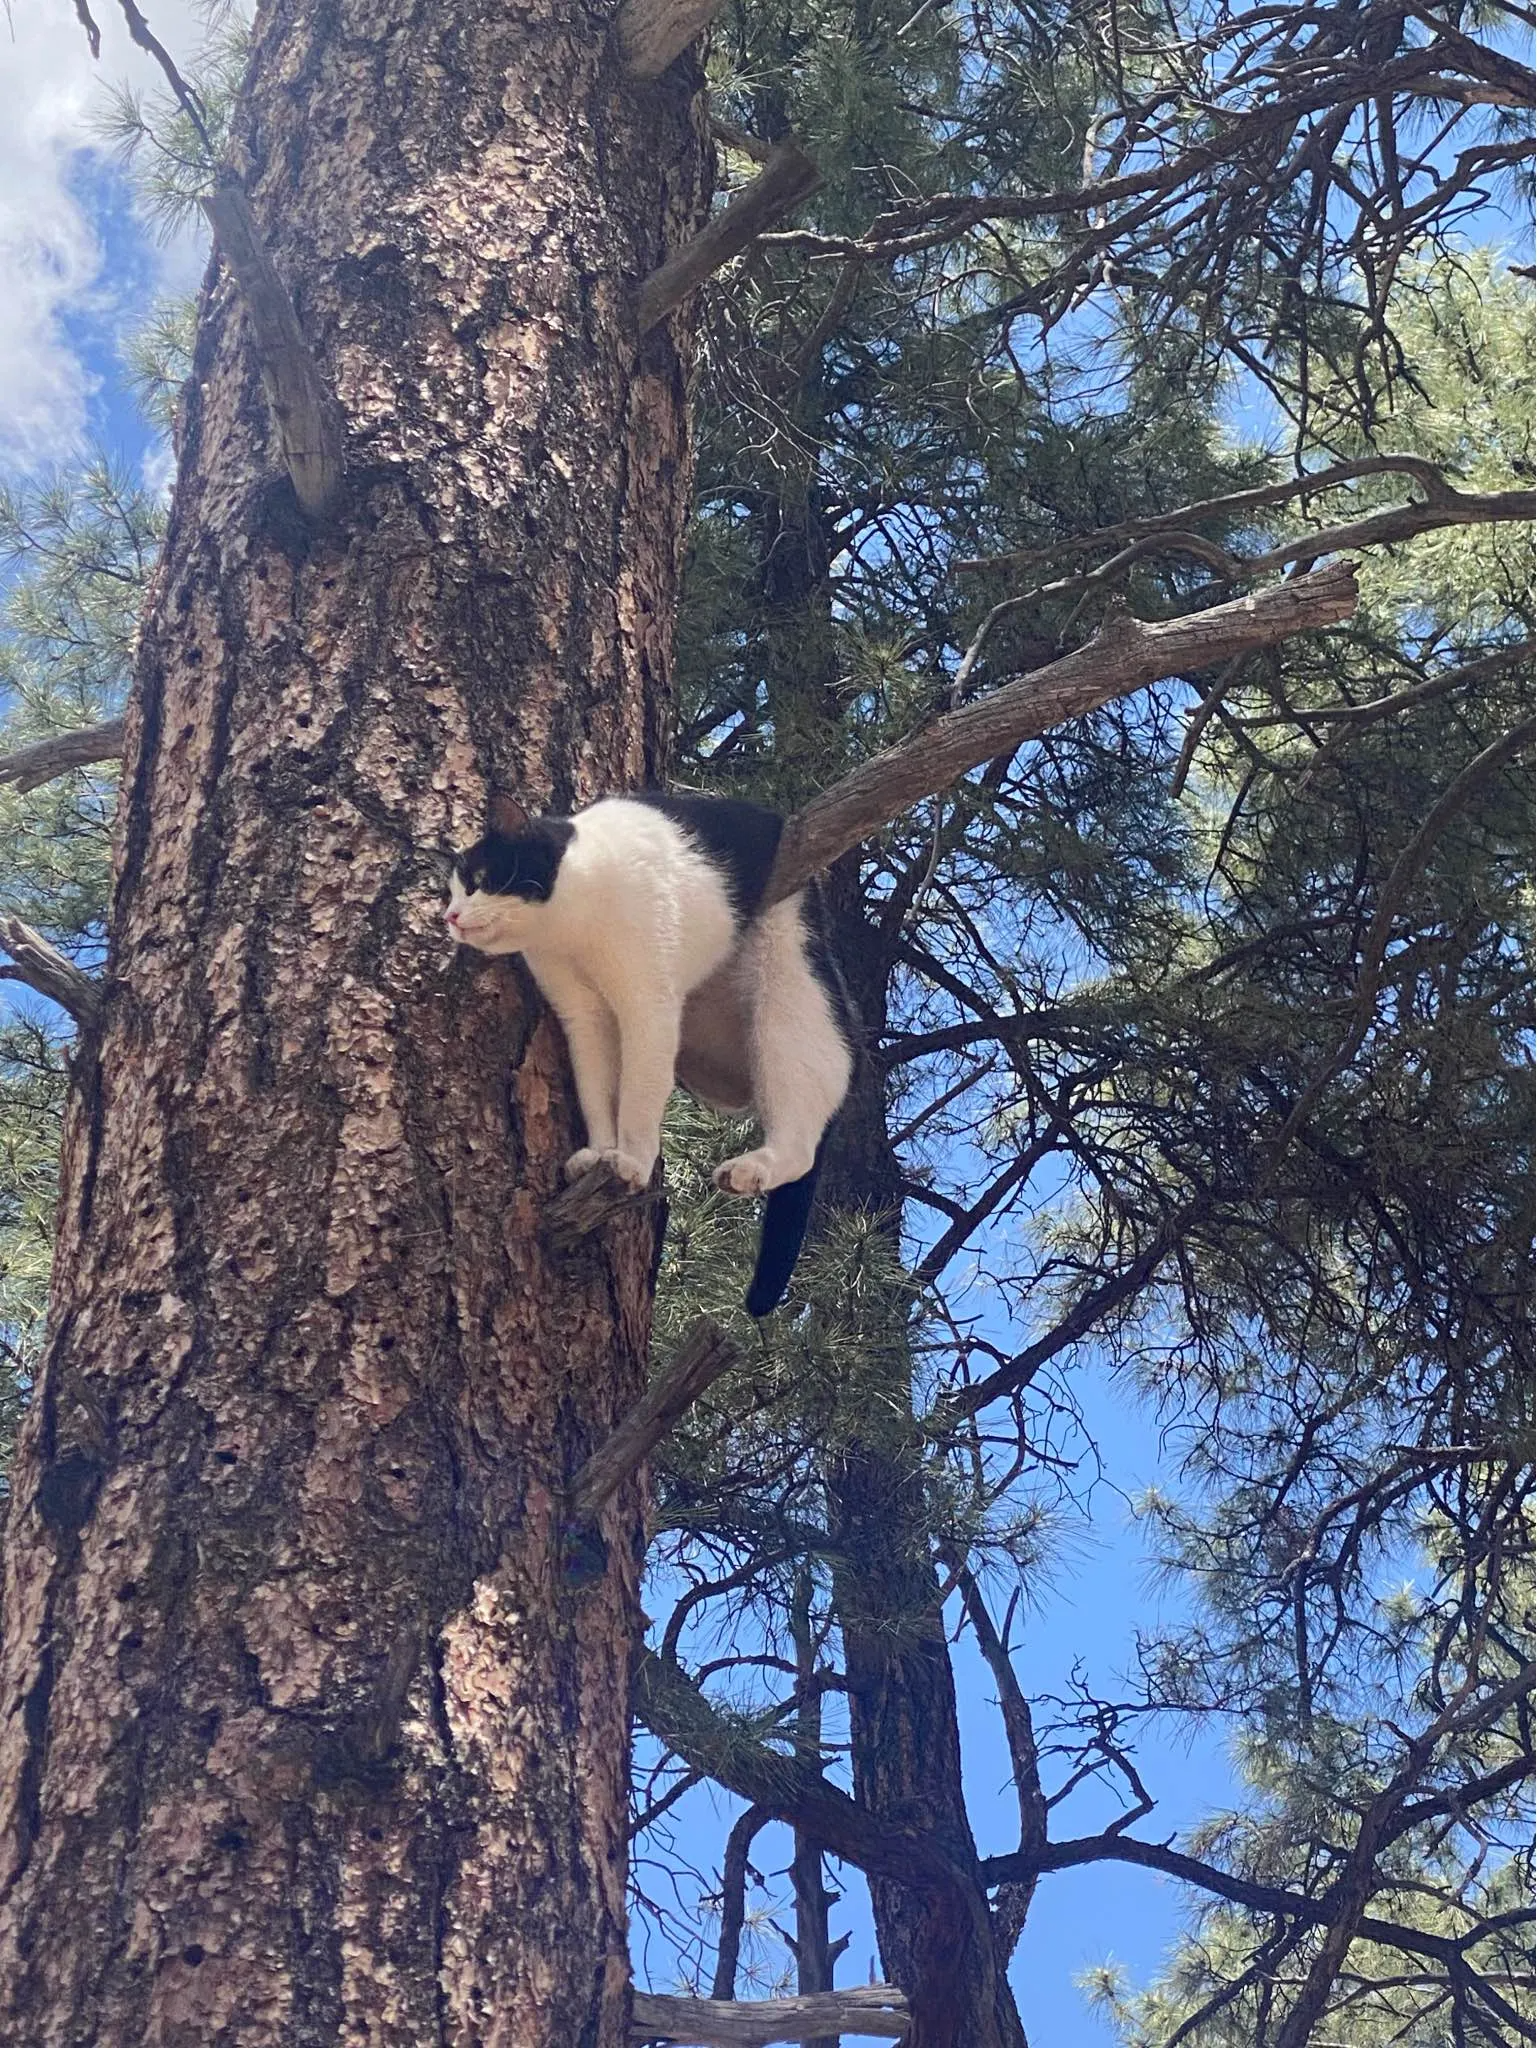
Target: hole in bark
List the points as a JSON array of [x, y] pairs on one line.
[[231, 1839], [227, 1457], [376, 1834], [192, 1954], [303, 721], [128, 1590], [386, 1343], [187, 731], [133, 1640], [397, 1471]]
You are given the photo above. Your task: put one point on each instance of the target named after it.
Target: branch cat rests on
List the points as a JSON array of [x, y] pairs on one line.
[[640, 920]]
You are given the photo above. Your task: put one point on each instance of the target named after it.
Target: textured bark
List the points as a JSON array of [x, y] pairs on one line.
[[304, 1735]]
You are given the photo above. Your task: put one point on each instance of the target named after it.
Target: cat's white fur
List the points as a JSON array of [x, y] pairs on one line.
[[639, 954]]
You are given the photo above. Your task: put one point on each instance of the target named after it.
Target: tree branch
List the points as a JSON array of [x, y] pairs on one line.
[[1319, 1911], [44, 968], [1399, 522], [30, 767], [1122, 656], [309, 429], [651, 33], [705, 1353], [677, 1713], [733, 1898], [785, 180], [753, 2023], [1233, 505]]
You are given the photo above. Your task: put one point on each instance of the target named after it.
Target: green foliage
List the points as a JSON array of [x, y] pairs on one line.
[[80, 546]]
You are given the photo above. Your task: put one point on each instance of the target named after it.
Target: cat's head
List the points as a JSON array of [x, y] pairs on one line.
[[500, 891]]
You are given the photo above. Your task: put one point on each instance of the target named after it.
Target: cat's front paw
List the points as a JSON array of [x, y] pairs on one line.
[[579, 1162], [635, 1173]]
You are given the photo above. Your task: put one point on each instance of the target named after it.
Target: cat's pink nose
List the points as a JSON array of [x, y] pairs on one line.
[[453, 916]]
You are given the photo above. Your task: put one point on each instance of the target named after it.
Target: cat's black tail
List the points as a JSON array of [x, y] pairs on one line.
[[785, 1216]]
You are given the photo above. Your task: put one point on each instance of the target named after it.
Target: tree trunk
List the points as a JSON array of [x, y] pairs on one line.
[[937, 1945], [306, 1733]]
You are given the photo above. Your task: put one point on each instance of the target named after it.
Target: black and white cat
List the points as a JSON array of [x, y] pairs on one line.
[[640, 919]]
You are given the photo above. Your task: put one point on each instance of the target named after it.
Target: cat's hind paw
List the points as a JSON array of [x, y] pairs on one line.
[[750, 1174], [579, 1162]]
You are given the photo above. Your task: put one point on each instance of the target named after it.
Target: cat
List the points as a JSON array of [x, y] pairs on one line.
[[641, 919]]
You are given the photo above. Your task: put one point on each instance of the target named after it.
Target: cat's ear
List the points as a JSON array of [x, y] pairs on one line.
[[507, 818]]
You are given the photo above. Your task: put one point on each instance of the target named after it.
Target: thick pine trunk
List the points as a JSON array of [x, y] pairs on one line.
[[305, 1736]]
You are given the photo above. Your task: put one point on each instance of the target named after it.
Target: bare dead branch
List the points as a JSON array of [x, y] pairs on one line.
[[308, 425], [1124, 655], [30, 767], [651, 33], [1399, 522], [1232, 505], [147, 40], [705, 1353], [92, 32], [753, 2023], [44, 968], [785, 180], [733, 1898]]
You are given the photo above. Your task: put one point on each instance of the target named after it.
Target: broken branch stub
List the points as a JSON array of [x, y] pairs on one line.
[[309, 430], [788, 177], [651, 33], [43, 967], [706, 1353], [879, 2009]]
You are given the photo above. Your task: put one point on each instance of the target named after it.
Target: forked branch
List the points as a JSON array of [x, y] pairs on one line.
[[309, 430], [43, 967]]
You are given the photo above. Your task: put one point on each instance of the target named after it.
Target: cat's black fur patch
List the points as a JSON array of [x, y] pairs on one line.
[[522, 865], [740, 839], [823, 962]]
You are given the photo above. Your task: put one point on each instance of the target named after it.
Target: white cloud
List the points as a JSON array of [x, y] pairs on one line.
[[54, 263]]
